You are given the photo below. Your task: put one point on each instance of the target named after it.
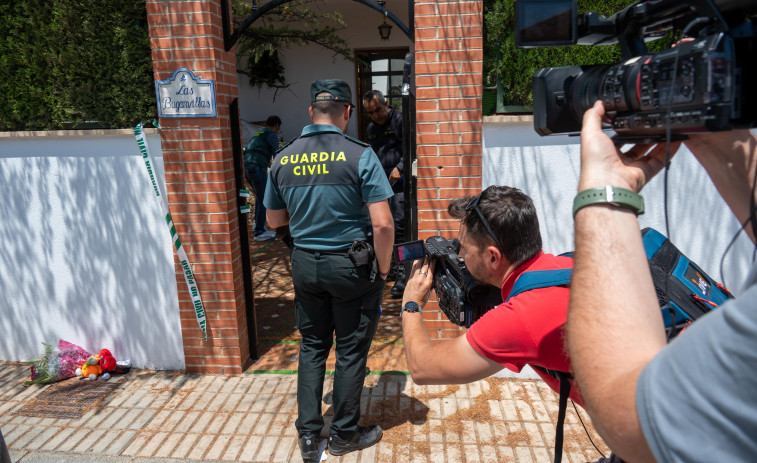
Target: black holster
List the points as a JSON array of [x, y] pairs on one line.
[[361, 254]]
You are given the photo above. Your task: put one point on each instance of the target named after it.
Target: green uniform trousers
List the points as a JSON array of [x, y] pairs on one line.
[[332, 296]]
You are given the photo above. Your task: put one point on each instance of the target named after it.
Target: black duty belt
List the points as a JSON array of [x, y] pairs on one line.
[[339, 252]]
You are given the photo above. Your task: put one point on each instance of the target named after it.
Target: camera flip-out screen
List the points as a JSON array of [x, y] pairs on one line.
[[540, 23], [408, 251]]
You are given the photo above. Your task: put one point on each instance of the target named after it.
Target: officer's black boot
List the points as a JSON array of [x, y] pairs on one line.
[[399, 285], [309, 448], [363, 438], [392, 271]]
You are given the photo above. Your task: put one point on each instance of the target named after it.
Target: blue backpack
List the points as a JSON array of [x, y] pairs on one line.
[[684, 291]]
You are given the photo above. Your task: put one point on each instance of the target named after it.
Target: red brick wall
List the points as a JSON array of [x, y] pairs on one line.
[[200, 184], [449, 86]]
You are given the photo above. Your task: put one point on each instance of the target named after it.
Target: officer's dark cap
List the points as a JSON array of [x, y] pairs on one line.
[[338, 90]]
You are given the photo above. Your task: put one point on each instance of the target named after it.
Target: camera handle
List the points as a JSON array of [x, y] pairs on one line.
[[627, 26]]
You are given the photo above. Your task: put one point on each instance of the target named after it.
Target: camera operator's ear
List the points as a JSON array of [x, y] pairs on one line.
[[495, 256]]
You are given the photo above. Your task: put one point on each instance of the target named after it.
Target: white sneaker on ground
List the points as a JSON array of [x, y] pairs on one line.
[[265, 236]]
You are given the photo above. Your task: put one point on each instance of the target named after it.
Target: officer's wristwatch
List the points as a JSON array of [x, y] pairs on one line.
[[411, 307]]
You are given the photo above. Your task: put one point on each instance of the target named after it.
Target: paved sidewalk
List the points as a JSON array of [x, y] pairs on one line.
[[161, 416], [167, 416]]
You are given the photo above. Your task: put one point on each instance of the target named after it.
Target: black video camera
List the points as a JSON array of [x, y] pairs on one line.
[[462, 299], [706, 84]]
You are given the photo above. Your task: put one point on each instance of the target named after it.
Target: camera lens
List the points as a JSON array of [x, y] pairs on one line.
[[588, 88]]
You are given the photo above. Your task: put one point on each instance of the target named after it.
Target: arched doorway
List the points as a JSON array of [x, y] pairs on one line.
[[203, 188]]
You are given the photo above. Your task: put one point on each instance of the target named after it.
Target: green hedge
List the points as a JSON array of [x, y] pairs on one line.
[[75, 64], [515, 67], [86, 64]]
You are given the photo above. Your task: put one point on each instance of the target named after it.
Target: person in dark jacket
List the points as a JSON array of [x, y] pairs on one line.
[[384, 134]]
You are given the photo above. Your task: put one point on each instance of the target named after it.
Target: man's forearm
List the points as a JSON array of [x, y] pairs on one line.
[[383, 243], [614, 322], [730, 159], [416, 341]]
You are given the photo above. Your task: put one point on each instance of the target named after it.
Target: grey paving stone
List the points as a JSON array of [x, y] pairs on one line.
[[159, 417]]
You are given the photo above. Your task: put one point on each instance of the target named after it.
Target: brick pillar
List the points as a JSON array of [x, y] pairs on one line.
[[200, 184], [449, 87]]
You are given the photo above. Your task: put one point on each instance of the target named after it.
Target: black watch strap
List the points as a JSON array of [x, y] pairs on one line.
[[411, 307]]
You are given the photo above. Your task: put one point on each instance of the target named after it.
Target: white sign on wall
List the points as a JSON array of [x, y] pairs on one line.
[[185, 95]]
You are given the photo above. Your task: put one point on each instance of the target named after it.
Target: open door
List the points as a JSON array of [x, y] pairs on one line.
[[378, 70]]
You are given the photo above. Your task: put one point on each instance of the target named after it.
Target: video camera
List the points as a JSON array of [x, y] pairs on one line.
[[706, 84], [462, 299]]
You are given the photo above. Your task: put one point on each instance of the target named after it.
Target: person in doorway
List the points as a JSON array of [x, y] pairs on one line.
[[257, 158], [332, 191], [384, 134]]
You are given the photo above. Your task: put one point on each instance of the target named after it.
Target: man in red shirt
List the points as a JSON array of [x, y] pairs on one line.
[[499, 241]]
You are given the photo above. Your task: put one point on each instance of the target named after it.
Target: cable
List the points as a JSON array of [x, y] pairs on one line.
[[702, 19], [668, 134], [668, 137], [587, 431], [728, 248]]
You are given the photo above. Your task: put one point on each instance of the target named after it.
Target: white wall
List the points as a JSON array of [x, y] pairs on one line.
[[85, 253], [303, 65], [547, 169]]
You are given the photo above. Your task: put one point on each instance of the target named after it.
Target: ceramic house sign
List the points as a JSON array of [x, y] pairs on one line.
[[185, 95]]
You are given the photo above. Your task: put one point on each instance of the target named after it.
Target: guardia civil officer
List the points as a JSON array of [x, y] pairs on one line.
[[332, 192]]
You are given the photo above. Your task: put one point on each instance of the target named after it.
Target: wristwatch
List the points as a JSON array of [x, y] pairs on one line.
[[411, 307]]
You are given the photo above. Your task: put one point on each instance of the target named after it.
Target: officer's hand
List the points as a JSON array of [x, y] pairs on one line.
[[394, 175], [418, 287], [602, 163]]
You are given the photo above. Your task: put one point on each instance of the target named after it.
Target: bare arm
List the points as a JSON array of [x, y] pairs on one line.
[[383, 233], [277, 218], [614, 323], [443, 362], [730, 159]]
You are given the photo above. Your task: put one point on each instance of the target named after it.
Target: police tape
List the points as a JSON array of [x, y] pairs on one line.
[[186, 267]]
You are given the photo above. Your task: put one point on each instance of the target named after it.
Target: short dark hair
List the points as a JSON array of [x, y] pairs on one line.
[[328, 108], [512, 216], [272, 121], [371, 94]]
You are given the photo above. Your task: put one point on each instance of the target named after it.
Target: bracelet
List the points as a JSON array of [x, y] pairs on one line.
[[609, 195], [383, 275]]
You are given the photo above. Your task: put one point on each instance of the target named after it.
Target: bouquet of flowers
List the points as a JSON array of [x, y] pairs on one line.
[[57, 363]]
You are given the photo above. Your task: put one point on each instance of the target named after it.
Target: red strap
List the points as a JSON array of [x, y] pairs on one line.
[[703, 300], [724, 289]]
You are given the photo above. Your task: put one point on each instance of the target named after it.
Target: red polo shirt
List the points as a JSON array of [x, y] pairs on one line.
[[528, 329]]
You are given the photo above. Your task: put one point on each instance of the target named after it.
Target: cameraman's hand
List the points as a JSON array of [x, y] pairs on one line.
[[418, 287], [602, 163]]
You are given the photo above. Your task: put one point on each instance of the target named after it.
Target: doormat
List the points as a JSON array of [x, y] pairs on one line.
[[69, 399]]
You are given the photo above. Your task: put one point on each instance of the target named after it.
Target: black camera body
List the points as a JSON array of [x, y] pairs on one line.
[[462, 299], [705, 84]]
